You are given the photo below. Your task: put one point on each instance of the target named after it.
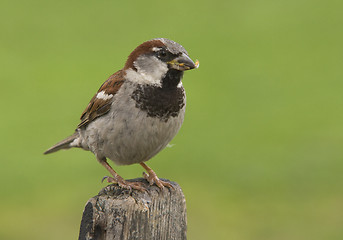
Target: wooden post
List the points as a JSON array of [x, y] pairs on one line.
[[119, 214]]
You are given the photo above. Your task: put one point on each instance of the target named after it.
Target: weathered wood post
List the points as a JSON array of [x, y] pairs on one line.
[[119, 214]]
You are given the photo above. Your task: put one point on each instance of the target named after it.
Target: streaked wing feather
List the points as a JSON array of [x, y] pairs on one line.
[[98, 107]]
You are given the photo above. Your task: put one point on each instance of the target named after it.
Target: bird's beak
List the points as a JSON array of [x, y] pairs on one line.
[[183, 63]]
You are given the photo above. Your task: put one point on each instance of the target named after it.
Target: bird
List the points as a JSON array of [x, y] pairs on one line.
[[136, 112]]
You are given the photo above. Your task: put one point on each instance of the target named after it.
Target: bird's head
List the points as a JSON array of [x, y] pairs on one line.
[[153, 60]]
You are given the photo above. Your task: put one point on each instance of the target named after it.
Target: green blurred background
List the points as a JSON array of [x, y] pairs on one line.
[[260, 153]]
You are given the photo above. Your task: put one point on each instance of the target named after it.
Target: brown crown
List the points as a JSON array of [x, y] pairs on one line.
[[144, 48]]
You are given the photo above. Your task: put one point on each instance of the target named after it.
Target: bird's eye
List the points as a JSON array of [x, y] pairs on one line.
[[162, 53]]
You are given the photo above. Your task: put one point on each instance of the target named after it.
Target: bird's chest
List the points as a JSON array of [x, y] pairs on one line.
[[160, 103], [139, 127]]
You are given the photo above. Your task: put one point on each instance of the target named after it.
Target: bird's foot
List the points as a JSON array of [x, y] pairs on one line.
[[124, 184], [152, 178]]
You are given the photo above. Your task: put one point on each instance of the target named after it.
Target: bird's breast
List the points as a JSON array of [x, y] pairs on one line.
[[141, 122], [157, 102]]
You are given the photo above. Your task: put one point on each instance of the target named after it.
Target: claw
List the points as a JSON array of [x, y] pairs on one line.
[[124, 184], [118, 179], [146, 177], [152, 178], [103, 179]]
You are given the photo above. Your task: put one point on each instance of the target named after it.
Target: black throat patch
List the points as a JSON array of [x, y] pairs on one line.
[[161, 102]]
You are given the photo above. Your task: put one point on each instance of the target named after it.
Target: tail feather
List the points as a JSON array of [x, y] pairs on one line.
[[64, 144]]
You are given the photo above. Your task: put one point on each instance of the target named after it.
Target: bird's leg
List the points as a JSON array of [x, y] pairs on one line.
[[152, 178], [118, 179]]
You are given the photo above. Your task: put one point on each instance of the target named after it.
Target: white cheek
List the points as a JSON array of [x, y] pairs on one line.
[[150, 70]]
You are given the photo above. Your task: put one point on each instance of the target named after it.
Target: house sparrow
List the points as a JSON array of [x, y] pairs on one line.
[[136, 112]]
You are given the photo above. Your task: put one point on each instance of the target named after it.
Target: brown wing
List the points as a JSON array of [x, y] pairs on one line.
[[100, 104]]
